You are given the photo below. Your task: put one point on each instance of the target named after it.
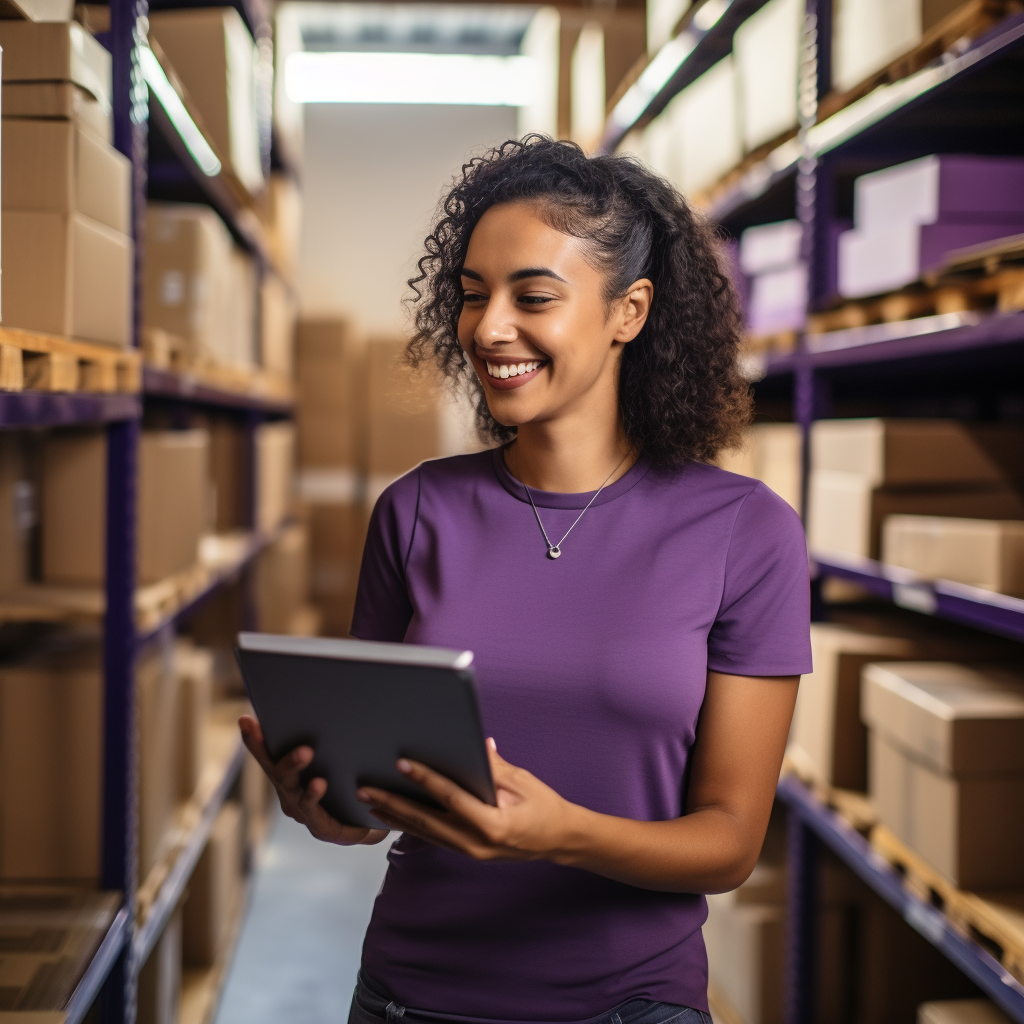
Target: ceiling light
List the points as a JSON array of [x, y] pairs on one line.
[[449, 78]]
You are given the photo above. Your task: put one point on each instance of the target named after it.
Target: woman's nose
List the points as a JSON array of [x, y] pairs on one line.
[[496, 325]]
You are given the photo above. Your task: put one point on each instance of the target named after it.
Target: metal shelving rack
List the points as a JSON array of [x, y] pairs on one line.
[[111, 976], [971, 100]]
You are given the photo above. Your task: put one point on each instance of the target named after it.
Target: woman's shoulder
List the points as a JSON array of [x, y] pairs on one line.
[[444, 473]]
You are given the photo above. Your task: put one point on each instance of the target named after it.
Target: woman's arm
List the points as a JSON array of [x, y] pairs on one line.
[[741, 738]]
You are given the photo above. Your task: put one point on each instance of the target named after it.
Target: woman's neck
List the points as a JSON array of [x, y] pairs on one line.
[[562, 458]]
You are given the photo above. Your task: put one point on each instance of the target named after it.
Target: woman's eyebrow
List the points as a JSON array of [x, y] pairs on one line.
[[522, 275], [466, 272]]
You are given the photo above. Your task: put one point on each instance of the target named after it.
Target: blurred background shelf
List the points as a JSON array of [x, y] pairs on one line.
[[54, 409], [253, 391], [973, 959], [981, 609], [161, 892], [99, 968]]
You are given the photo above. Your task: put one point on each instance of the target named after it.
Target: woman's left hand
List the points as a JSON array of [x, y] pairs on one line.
[[531, 820]]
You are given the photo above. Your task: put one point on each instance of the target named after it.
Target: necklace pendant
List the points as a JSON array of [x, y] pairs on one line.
[[554, 551]]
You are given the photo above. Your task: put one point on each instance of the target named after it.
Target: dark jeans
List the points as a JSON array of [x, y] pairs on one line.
[[371, 1004]]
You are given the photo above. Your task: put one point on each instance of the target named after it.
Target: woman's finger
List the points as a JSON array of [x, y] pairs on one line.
[[449, 794], [288, 770], [252, 737], [398, 824], [424, 821]]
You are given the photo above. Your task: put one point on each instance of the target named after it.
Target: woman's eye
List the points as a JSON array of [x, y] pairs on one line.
[[472, 297], [535, 300]]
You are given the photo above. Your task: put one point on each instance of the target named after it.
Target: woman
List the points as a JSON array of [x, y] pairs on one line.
[[639, 618]]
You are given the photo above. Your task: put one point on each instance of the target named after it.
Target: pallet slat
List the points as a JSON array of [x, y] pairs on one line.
[[46, 362]]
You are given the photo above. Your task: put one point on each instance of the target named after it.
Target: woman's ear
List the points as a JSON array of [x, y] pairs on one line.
[[635, 305]]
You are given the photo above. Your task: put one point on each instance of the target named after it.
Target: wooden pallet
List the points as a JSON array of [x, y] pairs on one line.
[[853, 807], [952, 34], [1002, 291], [46, 362], [780, 343], [993, 920], [706, 199], [166, 351]]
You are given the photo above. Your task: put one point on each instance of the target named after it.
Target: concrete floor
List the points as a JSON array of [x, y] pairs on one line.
[[299, 951]]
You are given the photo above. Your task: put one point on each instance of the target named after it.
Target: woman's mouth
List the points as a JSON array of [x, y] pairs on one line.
[[505, 376]]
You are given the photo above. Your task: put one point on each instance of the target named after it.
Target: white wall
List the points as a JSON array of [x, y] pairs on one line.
[[373, 177]]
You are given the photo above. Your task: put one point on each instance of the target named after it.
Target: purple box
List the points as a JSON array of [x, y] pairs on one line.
[[778, 301], [882, 259], [953, 188]]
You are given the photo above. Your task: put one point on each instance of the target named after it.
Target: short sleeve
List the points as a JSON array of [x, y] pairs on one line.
[[763, 623], [383, 609]]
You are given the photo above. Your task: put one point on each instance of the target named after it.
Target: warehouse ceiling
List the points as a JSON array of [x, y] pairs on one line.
[[413, 27]]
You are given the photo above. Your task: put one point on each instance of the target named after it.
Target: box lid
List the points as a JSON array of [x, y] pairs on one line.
[[959, 719]]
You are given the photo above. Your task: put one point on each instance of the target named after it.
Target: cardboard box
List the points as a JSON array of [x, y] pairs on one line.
[[39, 10], [881, 259], [846, 512], [708, 128], [238, 335], [289, 117], [331, 394], [215, 890], [56, 52], [947, 766], [279, 312], [337, 532], [213, 54], [773, 454], [983, 553], [15, 513], [61, 101], [229, 472], [193, 667], [172, 510], [280, 210], [188, 276], [67, 274], [157, 694], [60, 167], [160, 978], [282, 579], [958, 188], [403, 416], [257, 794], [869, 34], [275, 473], [766, 48], [173, 500], [912, 452], [961, 1011], [828, 739], [51, 731]]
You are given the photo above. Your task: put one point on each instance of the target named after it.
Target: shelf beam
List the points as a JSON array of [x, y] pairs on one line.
[[25, 409], [853, 849], [99, 969]]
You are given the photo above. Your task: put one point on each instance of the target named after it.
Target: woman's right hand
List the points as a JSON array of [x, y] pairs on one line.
[[303, 805]]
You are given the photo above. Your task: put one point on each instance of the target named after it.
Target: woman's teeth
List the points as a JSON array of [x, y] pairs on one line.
[[514, 370]]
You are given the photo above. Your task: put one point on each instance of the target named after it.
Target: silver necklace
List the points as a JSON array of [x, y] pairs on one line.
[[555, 550]]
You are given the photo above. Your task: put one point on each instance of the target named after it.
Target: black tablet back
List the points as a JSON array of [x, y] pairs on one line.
[[361, 706]]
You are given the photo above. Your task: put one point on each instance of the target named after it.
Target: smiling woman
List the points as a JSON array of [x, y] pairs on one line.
[[638, 680]]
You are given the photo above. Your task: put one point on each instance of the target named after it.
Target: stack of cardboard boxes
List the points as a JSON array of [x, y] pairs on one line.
[[67, 248], [363, 420], [866, 469], [773, 454]]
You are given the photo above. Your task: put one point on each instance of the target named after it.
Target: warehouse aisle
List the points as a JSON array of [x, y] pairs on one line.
[[299, 951]]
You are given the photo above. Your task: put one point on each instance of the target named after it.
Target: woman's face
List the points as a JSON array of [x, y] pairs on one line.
[[535, 322]]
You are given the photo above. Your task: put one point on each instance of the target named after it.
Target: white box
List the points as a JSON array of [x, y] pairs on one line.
[[711, 140], [766, 48], [961, 1011], [770, 246]]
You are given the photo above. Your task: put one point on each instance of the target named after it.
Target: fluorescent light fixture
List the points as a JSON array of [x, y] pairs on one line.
[[665, 64], [159, 84], [450, 78]]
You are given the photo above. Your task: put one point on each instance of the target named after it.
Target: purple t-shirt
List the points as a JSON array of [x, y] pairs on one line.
[[591, 673]]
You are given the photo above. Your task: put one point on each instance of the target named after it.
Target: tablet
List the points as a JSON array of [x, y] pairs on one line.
[[361, 706]]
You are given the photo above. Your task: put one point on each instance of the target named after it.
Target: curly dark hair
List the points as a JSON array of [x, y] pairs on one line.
[[681, 394]]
